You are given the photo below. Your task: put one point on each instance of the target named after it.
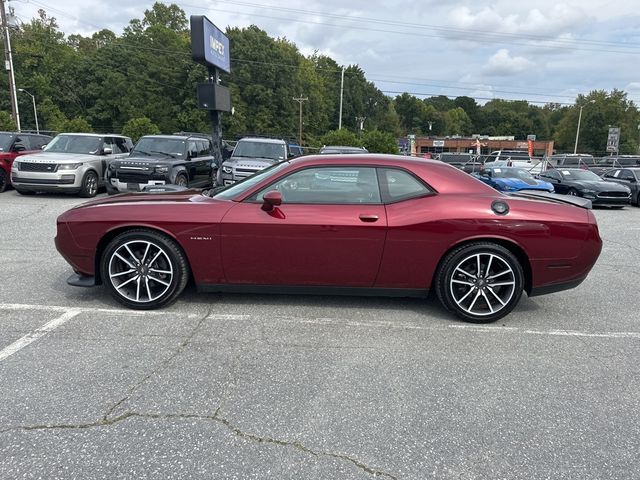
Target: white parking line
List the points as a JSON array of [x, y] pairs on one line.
[[116, 311], [31, 337]]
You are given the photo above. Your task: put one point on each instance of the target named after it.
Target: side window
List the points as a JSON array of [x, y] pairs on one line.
[[612, 174], [398, 185], [192, 148], [21, 143], [627, 175], [553, 175], [328, 185], [204, 148], [38, 142], [121, 145]]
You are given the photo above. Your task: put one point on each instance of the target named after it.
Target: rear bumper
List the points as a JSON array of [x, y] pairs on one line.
[[556, 287]]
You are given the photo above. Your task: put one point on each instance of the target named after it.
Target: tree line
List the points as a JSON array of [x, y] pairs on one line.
[[144, 81]]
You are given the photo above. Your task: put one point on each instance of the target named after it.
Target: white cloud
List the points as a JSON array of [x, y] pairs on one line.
[[502, 63]]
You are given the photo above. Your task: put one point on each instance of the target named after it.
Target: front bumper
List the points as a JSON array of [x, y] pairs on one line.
[[44, 181], [137, 186]]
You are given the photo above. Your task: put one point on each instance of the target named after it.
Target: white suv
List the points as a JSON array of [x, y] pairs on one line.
[[70, 163]]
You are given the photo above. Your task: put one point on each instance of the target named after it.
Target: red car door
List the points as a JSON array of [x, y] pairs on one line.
[[326, 232]]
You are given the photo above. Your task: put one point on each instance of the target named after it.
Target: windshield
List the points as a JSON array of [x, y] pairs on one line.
[[5, 141], [88, 144], [170, 147], [580, 175], [511, 173], [243, 185], [252, 149]]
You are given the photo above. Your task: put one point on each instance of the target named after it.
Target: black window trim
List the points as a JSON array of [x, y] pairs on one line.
[[387, 200]]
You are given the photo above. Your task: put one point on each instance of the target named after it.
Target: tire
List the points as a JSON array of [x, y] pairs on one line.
[[3, 180], [89, 187], [573, 192], [181, 180], [126, 261], [25, 192], [479, 299]]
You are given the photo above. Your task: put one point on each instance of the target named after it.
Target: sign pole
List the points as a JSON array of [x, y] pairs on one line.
[[216, 128]]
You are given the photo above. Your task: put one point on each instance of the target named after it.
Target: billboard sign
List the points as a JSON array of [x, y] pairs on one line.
[[613, 140], [209, 46]]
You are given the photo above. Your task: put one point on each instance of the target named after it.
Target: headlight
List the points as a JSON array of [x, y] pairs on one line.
[[161, 169], [508, 188], [69, 166], [586, 191], [227, 169], [16, 164]]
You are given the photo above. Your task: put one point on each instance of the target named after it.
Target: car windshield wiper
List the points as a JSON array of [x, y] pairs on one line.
[[164, 153]]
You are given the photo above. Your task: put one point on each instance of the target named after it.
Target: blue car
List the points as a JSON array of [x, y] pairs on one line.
[[512, 179]]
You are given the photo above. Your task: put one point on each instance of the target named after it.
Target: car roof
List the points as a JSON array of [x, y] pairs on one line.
[[262, 140], [80, 134]]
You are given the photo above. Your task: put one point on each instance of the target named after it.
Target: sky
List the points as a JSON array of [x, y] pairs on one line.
[[543, 51]]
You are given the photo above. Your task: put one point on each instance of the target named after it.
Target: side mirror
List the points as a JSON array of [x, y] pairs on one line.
[[270, 200], [42, 147], [107, 151], [19, 148]]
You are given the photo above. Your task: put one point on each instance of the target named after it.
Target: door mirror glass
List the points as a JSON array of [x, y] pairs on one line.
[[270, 200]]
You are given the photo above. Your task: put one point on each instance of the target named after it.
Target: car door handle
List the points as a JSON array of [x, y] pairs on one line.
[[368, 218]]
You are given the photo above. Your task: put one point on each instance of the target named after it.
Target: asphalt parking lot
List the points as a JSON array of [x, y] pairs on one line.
[[293, 387]]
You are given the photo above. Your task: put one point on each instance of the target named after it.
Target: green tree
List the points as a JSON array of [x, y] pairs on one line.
[[380, 142], [457, 122], [6, 122], [77, 125], [340, 137], [138, 127]]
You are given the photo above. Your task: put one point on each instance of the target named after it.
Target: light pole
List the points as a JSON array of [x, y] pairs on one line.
[[35, 110], [575, 147]]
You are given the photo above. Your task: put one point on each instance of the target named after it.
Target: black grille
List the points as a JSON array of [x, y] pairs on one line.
[[37, 167], [132, 178], [613, 194]]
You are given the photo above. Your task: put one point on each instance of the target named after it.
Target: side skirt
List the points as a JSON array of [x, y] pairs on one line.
[[316, 290]]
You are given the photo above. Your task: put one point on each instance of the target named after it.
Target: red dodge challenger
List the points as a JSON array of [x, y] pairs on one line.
[[336, 224]]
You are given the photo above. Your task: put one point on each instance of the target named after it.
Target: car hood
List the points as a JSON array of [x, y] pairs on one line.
[[250, 162], [185, 196], [57, 157], [146, 161], [523, 183], [600, 186]]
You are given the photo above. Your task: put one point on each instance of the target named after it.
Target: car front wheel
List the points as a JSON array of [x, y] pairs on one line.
[[480, 282], [89, 186], [3, 180], [144, 269]]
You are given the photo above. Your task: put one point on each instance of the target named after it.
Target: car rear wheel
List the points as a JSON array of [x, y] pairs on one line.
[[573, 192], [480, 282], [144, 269], [89, 185]]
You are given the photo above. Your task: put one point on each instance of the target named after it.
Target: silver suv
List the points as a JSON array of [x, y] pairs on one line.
[[250, 155], [70, 163]]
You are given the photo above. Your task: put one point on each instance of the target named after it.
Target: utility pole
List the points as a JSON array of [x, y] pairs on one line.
[[300, 100], [341, 93], [360, 123], [9, 66]]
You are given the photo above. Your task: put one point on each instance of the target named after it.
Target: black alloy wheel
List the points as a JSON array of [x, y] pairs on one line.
[[573, 192], [89, 185], [144, 269], [480, 282], [3, 180]]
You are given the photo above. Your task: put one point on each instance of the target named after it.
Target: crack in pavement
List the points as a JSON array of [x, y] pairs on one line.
[[163, 365], [633, 247], [106, 422]]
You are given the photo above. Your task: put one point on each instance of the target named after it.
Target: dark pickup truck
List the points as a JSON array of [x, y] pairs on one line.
[[184, 160]]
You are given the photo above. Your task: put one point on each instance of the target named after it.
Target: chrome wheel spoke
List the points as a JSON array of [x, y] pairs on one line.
[[496, 296], [124, 260], [499, 274], [158, 280], [462, 282], [138, 290], [146, 250], [501, 284], [126, 272], [155, 270], [126, 246], [475, 299], [146, 281], [465, 272], [486, 299], [127, 282]]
